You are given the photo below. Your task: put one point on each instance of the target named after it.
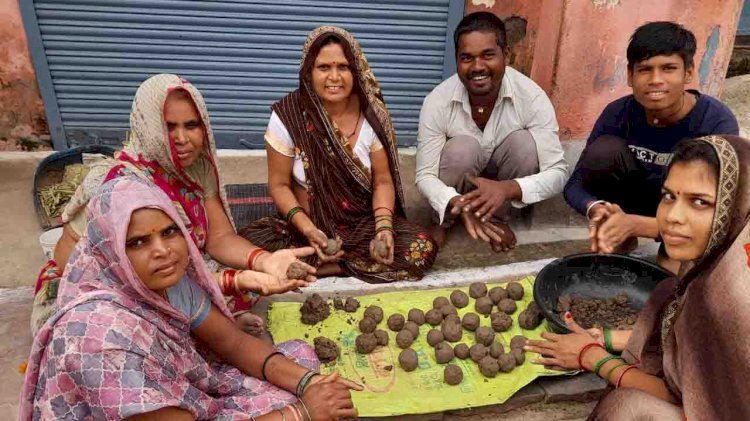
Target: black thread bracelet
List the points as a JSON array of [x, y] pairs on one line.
[[263, 367]]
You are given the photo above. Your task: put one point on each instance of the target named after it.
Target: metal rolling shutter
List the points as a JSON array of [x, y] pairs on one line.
[[242, 55]]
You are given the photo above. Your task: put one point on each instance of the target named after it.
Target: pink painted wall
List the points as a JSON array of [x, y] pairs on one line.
[[21, 107]]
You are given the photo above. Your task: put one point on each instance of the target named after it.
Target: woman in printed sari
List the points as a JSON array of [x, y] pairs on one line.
[[687, 354], [135, 301], [333, 170], [171, 144]]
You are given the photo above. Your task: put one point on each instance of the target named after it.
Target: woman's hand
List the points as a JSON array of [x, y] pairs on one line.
[[277, 263], [385, 239], [319, 241], [560, 352], [329, 398], [265, 284]]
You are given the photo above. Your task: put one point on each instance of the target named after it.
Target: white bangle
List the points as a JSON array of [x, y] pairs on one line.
[[591, 205]]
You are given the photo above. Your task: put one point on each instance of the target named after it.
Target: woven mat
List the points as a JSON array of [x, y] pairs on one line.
[[249, 202]]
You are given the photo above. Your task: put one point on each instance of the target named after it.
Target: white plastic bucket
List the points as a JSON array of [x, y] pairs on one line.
[[48, 240]]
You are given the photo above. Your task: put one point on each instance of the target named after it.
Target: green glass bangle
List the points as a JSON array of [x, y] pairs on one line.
[[603, 361], [608, 339], [293, 211], [612, 370]]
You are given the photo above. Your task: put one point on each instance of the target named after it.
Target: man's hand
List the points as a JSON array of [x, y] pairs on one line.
[[488, 196], [614, 229], [500, 237], [597, 215]]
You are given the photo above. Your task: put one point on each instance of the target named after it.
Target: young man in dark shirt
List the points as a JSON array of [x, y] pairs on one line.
[[617, 181]]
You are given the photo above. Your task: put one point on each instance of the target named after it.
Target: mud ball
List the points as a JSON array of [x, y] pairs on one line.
[[496, 349], [483, 305], [297, 270], [338, 303], [333, 246], [477, 289], [484, 335], [413, 328], [443, 353], [448, 310], [470, 321], [434, 337], [497, 293], [434, 317], [396, 322], [477, 352], [507, 306], [459, 299], [326, 349], [529, 320], [367, 325], [518, 341], [315, 309], [404, 339], [515, 291], [453, 374], [408, 360], [507, 363], [381, 249], [534, 307], [439, 302], [366, 343], [451, 328], [375, 313], [351, 305], [489, 366], [461, 351], [417, 316], [382, 337], [519, 355], [500, 322]]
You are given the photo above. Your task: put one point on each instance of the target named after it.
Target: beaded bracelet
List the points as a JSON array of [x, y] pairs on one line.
[[619, 380], [253, 256], [263, 367], [603, 361], [607, 339], [293, 211], [612, 370], [586, 348]]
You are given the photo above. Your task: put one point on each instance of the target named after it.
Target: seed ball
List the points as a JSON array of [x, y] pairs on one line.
[[404, 339], [518, 341], [477, 289], [477, 352], [507, 306], [375, 313], [470, 321], [448, 310], [498, 293], [484, 335], [459, 298], [534, 307], [408, 359], [413, 328], [496, 349], [500, 322], [461, 351], [417, 316], [434, 317], [519, 355], [367, 325], [338, 303], [443, 353], [483, 305], [382, 337], [396, 322], [489, 366], [451, 329], [351, 305], [439, 302], [515, 291], [453, 374], [529, 320], [507, 363], [366, 343], [434, 337]]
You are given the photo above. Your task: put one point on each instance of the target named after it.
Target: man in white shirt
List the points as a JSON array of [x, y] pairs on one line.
[[487, 139]]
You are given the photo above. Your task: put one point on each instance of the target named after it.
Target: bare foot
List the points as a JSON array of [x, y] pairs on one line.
[[250, 323], [438, 233], [508, 237]]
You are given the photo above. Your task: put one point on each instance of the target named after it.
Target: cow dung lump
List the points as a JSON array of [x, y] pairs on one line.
[[507, 363], [351, 305], [434, 337], [338, 303], [459, 299], [443, 353], [497, 293], [470, 321], [404, 339], [453, 374], [315, 309], [477, 289], [461, 351], [408, 359], [417, 316], [366, 343], [484, 335], [326, 349], [507, 306], [500, 322], [477, 352], [439, 302], [489, 366], [496, 349], [396, 322], [434, 317], [382, 337], [483, 305], [375, 313], [515, 290]]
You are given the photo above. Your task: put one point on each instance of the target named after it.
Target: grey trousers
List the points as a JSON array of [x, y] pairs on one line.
[[462, 156]]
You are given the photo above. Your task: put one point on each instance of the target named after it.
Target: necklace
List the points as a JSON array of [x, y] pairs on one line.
[[682, 105], [356, 124], [480, 110]]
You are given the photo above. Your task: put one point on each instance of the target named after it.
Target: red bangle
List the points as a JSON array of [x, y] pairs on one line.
[[617, 385], [227, 281], [586, 348], [252, 256]]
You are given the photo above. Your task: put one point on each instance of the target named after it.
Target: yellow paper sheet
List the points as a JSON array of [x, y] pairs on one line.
[[394, 391]]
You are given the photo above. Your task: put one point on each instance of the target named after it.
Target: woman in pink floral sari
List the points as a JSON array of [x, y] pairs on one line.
[[134, 301]]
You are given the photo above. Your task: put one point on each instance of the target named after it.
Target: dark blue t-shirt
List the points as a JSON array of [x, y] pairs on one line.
[[652, 146]]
